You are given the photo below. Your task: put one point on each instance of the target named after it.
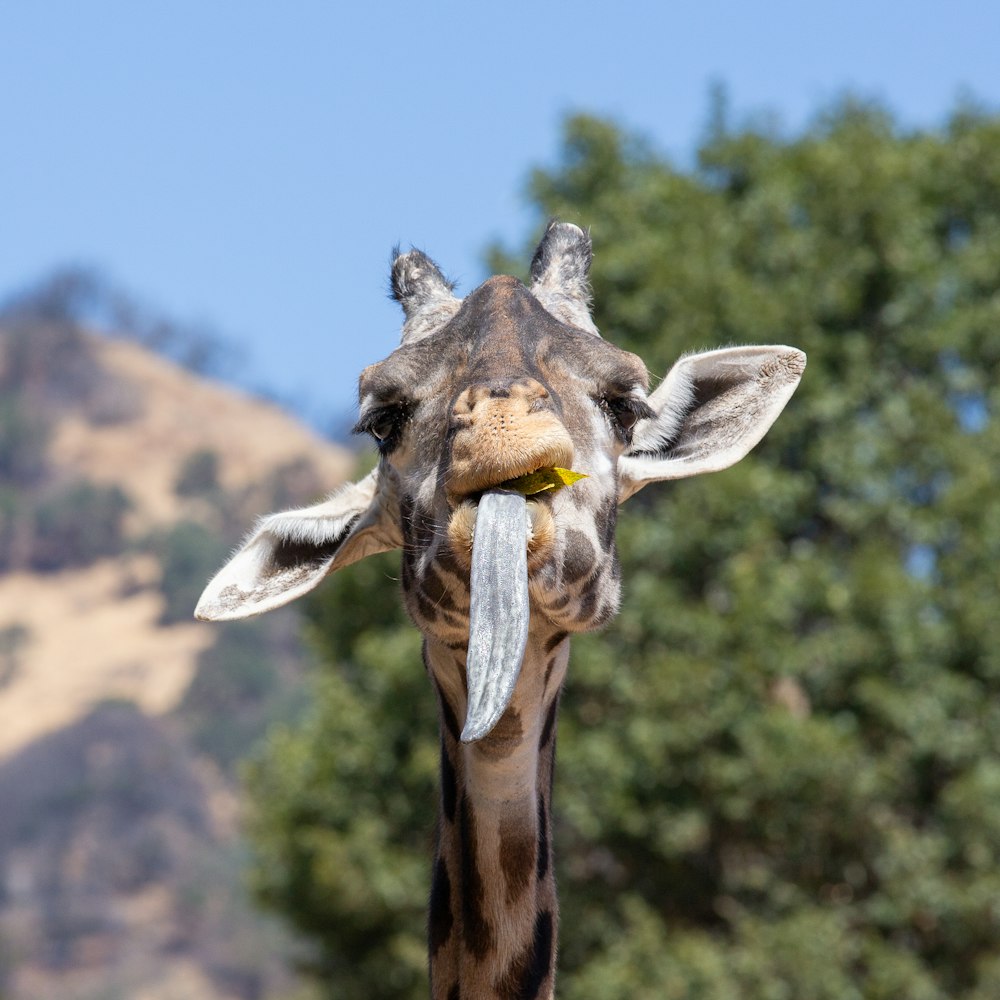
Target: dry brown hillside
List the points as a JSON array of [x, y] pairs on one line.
[[124, 479], [180, 414], [93, 629]]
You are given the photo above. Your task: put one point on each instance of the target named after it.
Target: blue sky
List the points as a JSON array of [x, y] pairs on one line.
[[251, 165]]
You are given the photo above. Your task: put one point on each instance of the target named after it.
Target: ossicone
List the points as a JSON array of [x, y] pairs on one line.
[[560, 274], [427, 297]]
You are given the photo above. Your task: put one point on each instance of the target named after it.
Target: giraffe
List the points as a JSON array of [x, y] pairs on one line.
[[509, 380]]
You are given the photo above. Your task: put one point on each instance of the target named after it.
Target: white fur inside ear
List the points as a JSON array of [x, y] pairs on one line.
[[672, 400], [712, 408], [285, 557], [289, 553]]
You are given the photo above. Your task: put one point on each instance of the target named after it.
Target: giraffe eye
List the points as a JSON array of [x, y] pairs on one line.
[[383, 428], [385, 425], [626, 418], [625, 413]]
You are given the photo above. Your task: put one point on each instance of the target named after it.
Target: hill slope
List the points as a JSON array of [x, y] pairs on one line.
[[175, 414], [124, 480]]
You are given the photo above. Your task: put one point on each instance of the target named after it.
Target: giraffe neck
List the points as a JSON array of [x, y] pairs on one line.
[[494, 915]]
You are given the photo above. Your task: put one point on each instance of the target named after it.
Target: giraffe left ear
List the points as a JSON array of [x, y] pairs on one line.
[[289, 553], [711, 409]]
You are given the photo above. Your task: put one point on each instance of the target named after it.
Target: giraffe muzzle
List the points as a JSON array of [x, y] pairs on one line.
[[499, 610], [501, 439]]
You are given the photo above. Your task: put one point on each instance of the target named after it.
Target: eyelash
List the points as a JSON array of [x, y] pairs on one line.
[[385, 425], [625, 412]]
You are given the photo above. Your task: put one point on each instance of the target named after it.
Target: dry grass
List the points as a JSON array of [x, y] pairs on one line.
[[94, 632], [93, 636], [179, 414]]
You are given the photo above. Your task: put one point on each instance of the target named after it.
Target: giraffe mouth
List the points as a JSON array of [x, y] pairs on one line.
[[497, 464], [514, 482], [505, 535], [502, 536], [538, 537]]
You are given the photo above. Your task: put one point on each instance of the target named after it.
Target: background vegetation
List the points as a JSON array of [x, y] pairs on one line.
[[121, 860], [780, 768], [49, 369]]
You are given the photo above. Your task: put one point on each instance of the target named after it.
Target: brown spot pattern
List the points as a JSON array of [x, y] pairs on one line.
[[531, 968], [436, 591], [543, 839], [607, 518], [449, 786], [447, 713], [440, 919], [554, 641], [550, 723], [426, 609], [518, 846], [476, 929], [580, 556], [504, 738]]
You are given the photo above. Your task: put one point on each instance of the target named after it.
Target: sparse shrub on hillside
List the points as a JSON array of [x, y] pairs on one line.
[[77, 524], [47, 365], [63, 297], [289, 485], [115, 770], [51, 365], [9, 529], [71, 298], [13, 639], [96, 815], [48, 361], [49, 528], [24, 438], [199, 474], [113, 401], [189, 554], [227, 702], [293, 483]]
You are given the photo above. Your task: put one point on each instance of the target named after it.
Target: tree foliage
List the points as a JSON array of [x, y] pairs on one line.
[[780, 767]]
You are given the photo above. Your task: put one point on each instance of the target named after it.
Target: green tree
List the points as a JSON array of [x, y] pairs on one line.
[[779, 768], [344, 802]]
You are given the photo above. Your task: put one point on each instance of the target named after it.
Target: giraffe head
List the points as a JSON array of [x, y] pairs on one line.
[[507, 381]]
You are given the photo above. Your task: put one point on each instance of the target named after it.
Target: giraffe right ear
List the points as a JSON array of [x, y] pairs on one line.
[[710, 410], [289, 553]]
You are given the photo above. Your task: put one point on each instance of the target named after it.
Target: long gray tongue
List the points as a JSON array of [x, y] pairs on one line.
[[498, 628]]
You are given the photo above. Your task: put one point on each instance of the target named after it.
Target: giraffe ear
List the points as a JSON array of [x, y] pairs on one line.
[[288, 554], [711, 409]]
